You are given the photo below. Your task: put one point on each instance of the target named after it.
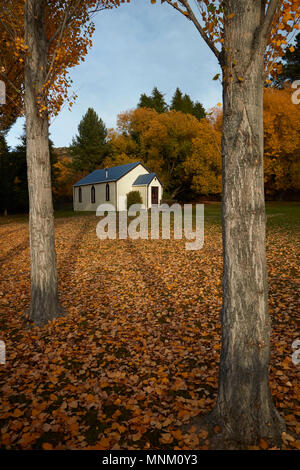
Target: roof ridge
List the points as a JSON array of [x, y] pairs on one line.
[[114, 173], [116, 166]]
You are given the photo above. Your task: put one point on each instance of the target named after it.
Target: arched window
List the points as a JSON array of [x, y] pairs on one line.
[[93, 199], [107, 192], [79, 194]]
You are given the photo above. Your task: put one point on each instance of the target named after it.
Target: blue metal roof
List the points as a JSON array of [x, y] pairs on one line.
[[144, 180], [114, 174]]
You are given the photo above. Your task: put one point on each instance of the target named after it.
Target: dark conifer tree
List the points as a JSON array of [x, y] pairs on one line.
[[154, 101], [89, 147]]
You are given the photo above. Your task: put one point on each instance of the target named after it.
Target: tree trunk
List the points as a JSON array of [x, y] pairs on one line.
[[44, 297], [244, 407]]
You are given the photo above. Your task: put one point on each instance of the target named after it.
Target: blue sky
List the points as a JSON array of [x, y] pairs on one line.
[[135, 47]]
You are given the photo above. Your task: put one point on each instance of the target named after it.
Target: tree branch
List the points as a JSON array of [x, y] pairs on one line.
[[267, 22], [13, 101], [72, 14], [263, 30], [198, 26], [62, 28], [3, 75], [68, 16], [7, 29]]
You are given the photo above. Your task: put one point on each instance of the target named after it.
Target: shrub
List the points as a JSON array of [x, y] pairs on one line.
[[134, 197]]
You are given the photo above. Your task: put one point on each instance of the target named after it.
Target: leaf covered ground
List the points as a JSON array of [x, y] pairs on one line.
[[136, 355]]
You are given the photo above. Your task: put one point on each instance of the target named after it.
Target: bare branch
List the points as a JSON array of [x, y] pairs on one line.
[[73, 12], [62, 28], [3, 75], [13, 101], [174, 5], [201, 31], [190, 15], [263, 31], [67, 18], [7, 29], [267, 22]]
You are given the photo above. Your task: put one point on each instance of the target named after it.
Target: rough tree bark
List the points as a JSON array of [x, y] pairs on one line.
[[44, 295], [244, 407]]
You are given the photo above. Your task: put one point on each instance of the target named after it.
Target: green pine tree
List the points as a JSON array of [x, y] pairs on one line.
[[188, 105], [185, 104], [158, 101], [177, 101], [199, 111], [145, 101], [89, 147], [13, 175], [6, 175], [155, 101], [19, 187]]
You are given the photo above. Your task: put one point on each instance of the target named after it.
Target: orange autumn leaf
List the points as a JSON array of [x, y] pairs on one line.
[[47, 446], [129, 334], [217, 429], [166, 438], [263, 444]]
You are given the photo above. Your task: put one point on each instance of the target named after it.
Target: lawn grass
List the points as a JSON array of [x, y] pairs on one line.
[[284, 215], [13, 218]]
